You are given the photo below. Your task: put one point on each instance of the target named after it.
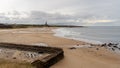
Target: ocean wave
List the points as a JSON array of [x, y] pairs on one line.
[[63, 32]]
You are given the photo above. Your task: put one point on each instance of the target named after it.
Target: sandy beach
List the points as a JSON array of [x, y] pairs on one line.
[[84, 57]]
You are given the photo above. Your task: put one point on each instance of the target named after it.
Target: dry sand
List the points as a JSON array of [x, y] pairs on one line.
[[76, 58]]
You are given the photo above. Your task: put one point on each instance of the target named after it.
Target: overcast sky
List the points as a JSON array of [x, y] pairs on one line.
[[76, 12]]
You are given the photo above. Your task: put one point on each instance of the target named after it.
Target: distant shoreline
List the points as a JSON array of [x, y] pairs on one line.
[[7, 26]]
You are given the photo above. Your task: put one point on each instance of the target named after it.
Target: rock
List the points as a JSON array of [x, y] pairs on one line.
[[72, 48], [103, 45], [119, 48], [14, 57], [113, 49], [115, 46], [97, 48]]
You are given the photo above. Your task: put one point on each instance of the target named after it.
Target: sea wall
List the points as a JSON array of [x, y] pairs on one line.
[[56, 54], [48, 61]]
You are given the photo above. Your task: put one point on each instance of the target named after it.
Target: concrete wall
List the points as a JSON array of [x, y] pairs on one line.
[[56, 54]]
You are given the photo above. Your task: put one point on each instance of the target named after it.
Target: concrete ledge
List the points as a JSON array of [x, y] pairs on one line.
[[56, 54]]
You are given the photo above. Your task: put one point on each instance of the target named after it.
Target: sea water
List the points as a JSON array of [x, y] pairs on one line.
[[91, 34]]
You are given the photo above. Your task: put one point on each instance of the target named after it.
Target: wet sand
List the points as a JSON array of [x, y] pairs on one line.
[[74, 58]]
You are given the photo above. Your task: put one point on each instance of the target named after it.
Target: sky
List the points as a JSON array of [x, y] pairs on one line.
[[74, 12]]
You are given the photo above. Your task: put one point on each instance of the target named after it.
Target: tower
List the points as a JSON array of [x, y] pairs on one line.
[[46, 23]]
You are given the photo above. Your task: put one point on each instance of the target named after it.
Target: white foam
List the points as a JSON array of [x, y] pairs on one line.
[[81, 46], [40, 44], [61, 32], [21, 32]]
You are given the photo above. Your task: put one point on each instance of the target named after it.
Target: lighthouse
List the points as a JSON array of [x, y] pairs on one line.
[[46, 24]]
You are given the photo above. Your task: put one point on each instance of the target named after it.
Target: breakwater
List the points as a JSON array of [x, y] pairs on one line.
[[55, 54]]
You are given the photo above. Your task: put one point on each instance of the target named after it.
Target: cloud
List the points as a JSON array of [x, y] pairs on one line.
[[40, 17], [76, 12], [98, 21]]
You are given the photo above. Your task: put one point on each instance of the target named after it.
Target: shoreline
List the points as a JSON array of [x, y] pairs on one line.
[[56, 31], [95, 35], [74, 58]]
